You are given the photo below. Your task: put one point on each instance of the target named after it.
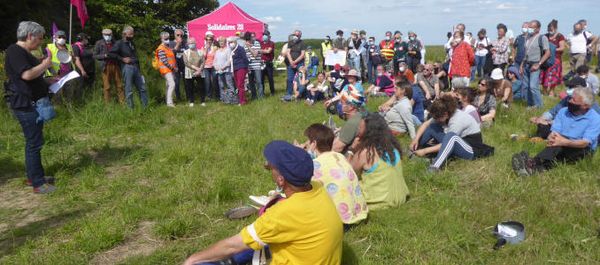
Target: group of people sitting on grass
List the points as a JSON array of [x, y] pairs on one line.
[[359, 165]]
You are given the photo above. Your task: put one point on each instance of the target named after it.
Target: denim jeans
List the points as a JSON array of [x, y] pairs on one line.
[[313, 71], [34, 140], [433, 132], [132, 76], [210, 83], [532, 86], [354, 63], [256, 83], [479, 63], [291, 72], [453, 146], [371, 70], [268, 72], [177, 78], [226, 88]]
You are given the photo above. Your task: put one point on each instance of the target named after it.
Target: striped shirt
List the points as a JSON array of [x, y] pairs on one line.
[[255, 61]]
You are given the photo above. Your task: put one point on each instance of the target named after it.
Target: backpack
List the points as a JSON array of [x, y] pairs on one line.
[[155, 61], [550, 62]]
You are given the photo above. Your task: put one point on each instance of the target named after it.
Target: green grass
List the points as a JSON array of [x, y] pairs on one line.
[[151, 186]]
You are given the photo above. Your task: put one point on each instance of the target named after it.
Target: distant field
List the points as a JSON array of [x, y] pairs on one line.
[[151, 186]]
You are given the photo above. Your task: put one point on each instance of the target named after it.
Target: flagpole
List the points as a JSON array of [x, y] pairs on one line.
[[70, 21]]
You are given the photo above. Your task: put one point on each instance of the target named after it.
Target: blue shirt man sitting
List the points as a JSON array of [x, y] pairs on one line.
[[574, 135]]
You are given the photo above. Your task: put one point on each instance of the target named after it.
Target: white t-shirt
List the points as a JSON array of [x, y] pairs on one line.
[[578, 42], [484, 51]]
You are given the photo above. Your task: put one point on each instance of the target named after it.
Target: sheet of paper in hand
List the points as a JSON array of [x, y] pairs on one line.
[[58, 85]]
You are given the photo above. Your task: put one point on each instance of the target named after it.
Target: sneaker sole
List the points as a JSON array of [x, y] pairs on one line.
[[240, 212]]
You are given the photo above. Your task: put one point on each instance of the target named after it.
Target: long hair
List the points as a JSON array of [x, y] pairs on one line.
[[377, 138]]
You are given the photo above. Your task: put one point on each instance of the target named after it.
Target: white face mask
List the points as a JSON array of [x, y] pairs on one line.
[[107, 37], [165, 42], [402, 69], [530, 30], [192, 46], [61, 41], [379, 74], [232, 46], [524, 30]]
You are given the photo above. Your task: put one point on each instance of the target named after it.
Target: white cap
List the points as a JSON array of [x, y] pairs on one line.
[[209, 33], [497, 74]]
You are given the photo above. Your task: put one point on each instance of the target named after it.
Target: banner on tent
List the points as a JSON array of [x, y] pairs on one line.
[[224, 27]]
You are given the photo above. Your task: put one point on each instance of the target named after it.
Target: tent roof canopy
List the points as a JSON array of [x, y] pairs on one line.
[[224, 14]]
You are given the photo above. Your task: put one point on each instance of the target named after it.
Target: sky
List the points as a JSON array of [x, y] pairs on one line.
[[431, 20]]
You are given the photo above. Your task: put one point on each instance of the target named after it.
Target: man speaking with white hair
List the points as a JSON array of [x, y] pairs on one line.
[[574, 136]]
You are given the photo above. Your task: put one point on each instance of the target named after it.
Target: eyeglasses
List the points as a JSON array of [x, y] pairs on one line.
[[482, 84]]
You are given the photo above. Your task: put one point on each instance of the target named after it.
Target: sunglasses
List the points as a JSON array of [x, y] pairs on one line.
[[482, 84]]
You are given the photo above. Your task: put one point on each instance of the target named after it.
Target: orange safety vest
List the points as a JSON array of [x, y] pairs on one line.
[[162, 68], [387, 49]]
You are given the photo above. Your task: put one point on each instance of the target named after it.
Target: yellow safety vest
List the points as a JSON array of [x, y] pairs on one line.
[[55, 62]]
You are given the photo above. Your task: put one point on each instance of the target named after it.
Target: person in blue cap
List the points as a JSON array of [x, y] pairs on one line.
[[305, 228]]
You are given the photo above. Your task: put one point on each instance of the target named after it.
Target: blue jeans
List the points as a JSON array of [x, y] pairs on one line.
[[453, 145], [291, 72], [34, 140], [256, 84], [479, 63], [210, 80], [354, 63], [371, 70], [132, 76], [433, 132], [532, 86]]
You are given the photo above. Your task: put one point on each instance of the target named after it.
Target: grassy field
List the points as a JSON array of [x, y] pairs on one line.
[[151, 186]]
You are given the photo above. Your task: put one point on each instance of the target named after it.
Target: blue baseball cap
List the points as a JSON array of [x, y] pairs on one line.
[[294, 164]]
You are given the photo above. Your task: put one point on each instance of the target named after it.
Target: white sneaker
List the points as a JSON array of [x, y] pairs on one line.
[[191, 104], [260, 200], [203, 104]]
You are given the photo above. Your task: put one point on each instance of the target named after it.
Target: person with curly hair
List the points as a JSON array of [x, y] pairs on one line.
[[449, 133], [376, 158]]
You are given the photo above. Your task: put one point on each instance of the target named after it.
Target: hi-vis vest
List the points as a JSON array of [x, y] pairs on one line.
[[387, 49], [162, 68], [55, 62], [325, 47]]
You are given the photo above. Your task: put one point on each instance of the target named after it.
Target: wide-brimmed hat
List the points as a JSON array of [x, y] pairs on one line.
[[353, 72], [497, 74]]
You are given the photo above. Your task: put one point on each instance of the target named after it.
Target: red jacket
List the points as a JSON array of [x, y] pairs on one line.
[[462, 60]]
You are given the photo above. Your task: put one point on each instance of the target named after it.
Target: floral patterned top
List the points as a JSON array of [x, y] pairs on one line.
[[335, 172]]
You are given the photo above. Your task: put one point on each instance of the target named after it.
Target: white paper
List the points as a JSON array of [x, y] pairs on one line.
[[58, 85], [335, 58]]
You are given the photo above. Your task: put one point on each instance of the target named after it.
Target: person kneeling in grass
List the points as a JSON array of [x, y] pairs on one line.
[[336, 174], [303, 229], [574, 136], [449, 133], [397, 111], [376, 156]]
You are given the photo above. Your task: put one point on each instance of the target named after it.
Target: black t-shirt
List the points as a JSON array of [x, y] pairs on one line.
[[20, 93], [87, 58], [296, 49]]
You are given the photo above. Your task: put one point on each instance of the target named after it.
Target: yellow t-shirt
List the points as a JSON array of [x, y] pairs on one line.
[[302, 229], [339, 179]]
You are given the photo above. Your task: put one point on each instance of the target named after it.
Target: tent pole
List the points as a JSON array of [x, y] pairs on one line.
[[70, 21]]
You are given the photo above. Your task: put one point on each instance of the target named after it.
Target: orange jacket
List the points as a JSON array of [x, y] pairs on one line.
[[164, 53], [387, 49]]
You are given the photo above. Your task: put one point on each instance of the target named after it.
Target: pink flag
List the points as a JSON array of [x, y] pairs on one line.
[[54, 28], [81, 11]]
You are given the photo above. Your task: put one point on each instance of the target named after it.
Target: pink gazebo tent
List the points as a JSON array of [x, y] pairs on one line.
[[225, 21]]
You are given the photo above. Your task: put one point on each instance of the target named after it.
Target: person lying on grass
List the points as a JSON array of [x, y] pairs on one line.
[[352, 109], [574, 136], [376, 157], [305, 228], [336, 174], [397, 111], [449, 133]]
